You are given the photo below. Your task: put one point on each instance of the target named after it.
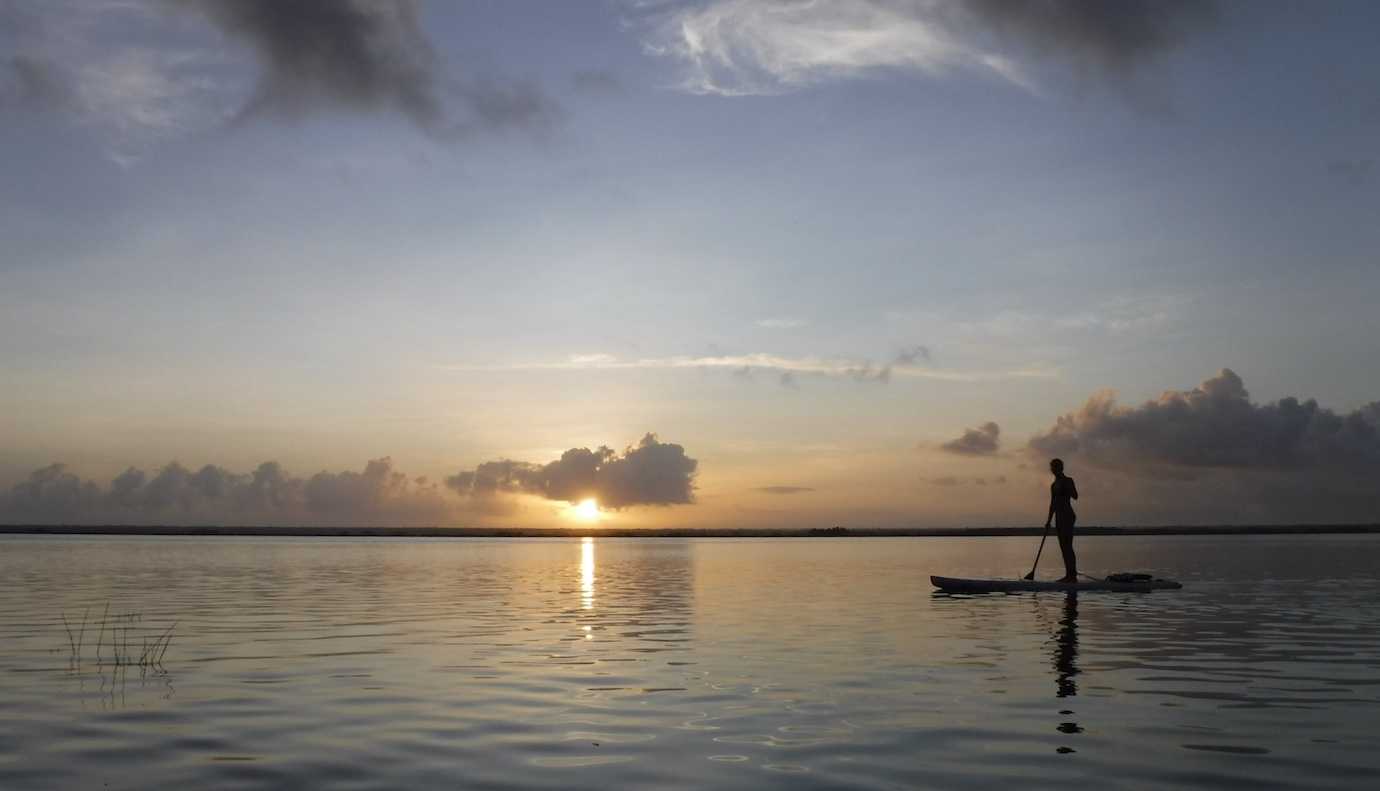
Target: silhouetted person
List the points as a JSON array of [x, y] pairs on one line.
[[1062, 493]]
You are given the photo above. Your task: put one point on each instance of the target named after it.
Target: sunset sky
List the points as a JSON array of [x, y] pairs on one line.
[[861, 262]]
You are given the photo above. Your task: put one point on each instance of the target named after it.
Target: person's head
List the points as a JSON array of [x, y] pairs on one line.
[[1056, 466]]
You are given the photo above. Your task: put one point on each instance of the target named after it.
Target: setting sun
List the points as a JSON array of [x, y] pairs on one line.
[[587, 510]]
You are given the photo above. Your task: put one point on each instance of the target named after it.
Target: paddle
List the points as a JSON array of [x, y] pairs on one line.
[[1031, 575]]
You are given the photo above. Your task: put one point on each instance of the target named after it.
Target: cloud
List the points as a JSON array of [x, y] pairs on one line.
[[651, 473], [1215, 425], [980, 441], [907, 360], [914, 355], [1212, 454], [739, 47], [1107, 35], [950, 480], [33, 83], [366, 55], [910, 362], [378, 495], [781, 323], [114, 68], [784, 489], [137, 73]]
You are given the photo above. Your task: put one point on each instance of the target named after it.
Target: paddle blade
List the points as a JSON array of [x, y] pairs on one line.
[[1029, 576]]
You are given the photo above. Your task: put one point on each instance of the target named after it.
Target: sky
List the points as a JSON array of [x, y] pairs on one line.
[[709, 263]]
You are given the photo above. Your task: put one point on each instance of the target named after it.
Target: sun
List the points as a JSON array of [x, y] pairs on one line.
[[587, 510]]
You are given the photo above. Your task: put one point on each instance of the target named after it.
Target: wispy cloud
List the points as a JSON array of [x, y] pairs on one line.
[[742, 47], [784, 490], [746, 47], [908, 364], [781, 323]]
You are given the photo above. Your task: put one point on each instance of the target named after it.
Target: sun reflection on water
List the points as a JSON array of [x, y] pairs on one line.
[[587, 573]]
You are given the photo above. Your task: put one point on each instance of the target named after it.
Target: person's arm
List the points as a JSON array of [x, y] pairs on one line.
[[1050, 517], [1073, 490]]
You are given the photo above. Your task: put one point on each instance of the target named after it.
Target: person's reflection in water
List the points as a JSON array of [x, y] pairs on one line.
[[1066, 649], [1066, 662]]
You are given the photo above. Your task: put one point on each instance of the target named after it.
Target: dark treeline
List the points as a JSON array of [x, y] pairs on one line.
[[484, 532]]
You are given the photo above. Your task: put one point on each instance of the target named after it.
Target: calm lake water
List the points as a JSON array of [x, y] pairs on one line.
[[748, 663]]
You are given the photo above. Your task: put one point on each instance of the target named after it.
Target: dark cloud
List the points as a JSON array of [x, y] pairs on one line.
[[652, 473], [866, 372], [907, 357], [364, 55], [1215, 425], [33, 83], [913, 355], [787, 380], [1210, 454], [950, 480], [981, 441], [214, 495], [1109, 34], [497, 106], [784, 489]]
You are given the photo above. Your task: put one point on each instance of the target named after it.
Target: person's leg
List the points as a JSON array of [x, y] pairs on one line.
[[1066, 549]]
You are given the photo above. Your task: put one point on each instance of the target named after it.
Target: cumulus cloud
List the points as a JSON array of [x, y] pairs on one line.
[[980, 441], [1212, 454], [650, 473], [213, 495], [1215, 425], [736, 47]]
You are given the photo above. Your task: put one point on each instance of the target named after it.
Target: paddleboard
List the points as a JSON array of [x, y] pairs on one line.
[[957, 585]]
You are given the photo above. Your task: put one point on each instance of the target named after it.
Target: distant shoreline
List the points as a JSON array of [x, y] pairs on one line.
[[836, 532]]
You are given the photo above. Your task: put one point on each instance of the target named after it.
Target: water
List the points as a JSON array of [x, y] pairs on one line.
[[667, 663]]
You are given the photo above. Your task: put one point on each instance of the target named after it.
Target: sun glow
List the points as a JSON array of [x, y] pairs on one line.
[[586, 511]]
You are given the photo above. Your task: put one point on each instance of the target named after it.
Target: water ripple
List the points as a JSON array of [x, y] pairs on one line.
[[682, 664]]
